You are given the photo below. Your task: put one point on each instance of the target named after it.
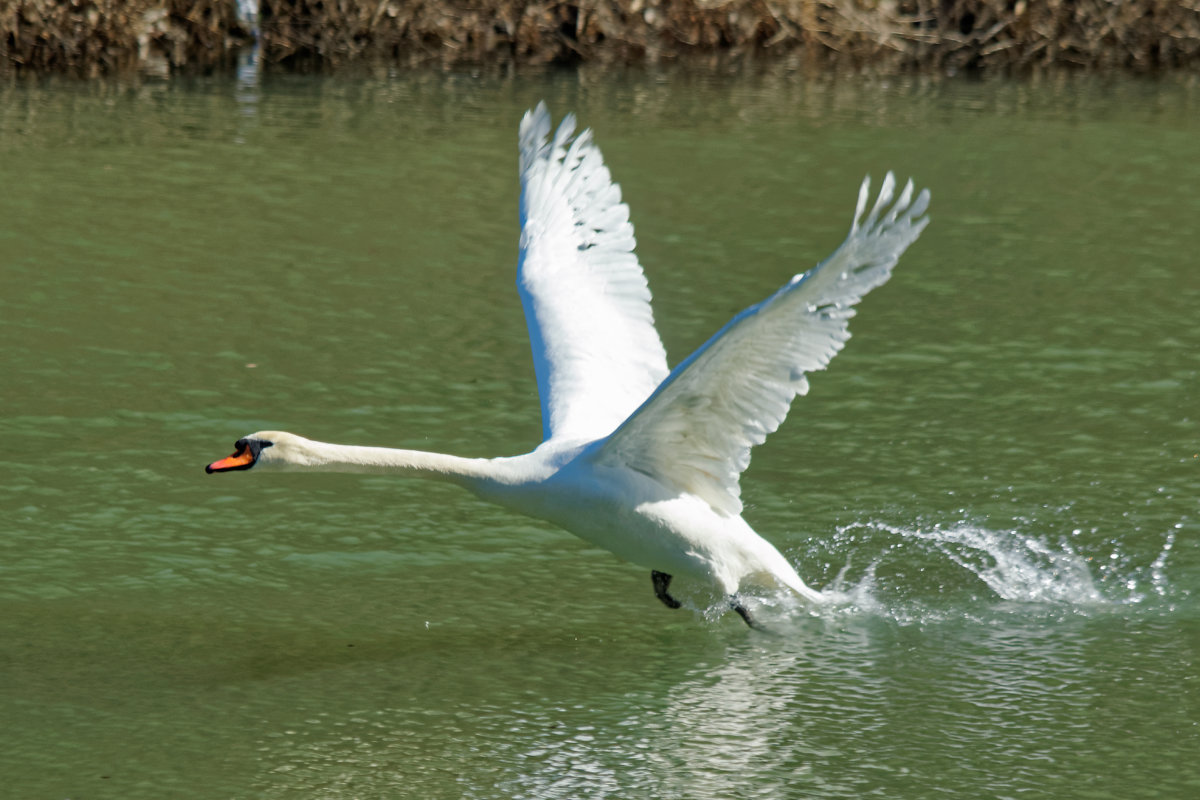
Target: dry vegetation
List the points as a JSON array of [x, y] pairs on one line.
[[96, 36], [93, 37]]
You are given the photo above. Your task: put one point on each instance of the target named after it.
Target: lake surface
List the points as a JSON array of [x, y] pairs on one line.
[[999, 476]]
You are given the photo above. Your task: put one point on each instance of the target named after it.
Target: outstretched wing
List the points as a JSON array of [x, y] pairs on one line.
[[587, 305], [695, 433]]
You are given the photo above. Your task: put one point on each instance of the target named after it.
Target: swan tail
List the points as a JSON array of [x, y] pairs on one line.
[[778, 573], [801, 589]]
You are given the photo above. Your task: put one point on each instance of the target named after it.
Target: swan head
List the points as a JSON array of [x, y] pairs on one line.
[[262, 449]]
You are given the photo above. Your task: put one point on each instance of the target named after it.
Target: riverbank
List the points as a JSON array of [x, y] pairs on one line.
[[99, 37]]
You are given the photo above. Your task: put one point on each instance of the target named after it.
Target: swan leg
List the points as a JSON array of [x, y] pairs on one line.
[[661, 581], [743, 612]]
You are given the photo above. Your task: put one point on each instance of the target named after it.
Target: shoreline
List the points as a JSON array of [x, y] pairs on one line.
[[94, 38]]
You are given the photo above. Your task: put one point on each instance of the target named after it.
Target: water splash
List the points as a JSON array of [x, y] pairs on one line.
[[922, 574]]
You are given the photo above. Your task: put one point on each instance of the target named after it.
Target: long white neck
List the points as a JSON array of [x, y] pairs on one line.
[[298, 453]]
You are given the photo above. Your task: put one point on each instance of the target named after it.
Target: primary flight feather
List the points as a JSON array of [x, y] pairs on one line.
[[640, 460]]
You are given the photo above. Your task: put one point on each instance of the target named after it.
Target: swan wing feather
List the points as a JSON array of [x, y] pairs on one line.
[[694, 434], [596, 352]]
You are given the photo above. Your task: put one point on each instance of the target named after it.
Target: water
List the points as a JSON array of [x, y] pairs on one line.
[[997, 480]]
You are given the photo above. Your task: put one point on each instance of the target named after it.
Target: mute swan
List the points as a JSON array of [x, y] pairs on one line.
[[638, 459]]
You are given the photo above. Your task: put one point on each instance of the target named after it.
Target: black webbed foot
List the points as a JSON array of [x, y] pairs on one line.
[[661, 581]]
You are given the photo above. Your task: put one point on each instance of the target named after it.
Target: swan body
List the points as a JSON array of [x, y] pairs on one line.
[[638, 459]]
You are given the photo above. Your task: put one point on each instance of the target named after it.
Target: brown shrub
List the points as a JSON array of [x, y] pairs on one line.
[[93, 37]]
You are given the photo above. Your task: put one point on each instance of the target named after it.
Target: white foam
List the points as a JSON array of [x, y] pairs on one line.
[[965, 570]]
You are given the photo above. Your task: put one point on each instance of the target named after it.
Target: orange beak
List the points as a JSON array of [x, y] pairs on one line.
[[242, 459]]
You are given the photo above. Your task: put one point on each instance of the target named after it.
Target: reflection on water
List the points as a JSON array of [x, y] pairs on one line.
[[998, 475], [249, 78], [838, 711]]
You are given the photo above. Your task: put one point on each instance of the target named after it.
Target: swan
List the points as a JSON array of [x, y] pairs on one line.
[[638, 459]]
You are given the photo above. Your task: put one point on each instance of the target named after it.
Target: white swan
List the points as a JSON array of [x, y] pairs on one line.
[[638, 459]]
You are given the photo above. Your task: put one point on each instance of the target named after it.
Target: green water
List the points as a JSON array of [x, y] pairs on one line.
[[1000, 473]]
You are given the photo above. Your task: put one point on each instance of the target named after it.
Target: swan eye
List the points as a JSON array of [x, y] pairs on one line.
[[254, 446]]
